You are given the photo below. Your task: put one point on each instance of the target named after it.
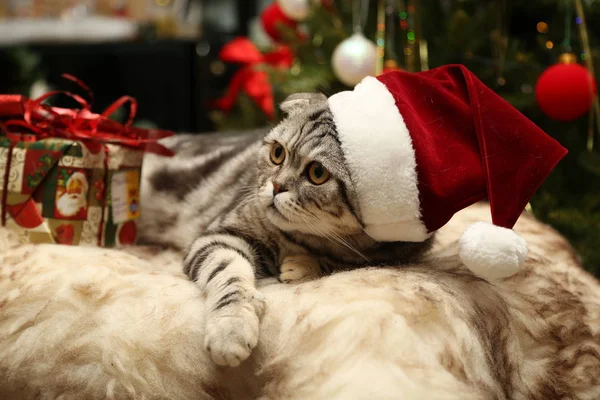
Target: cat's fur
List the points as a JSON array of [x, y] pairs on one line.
[[216, 199]]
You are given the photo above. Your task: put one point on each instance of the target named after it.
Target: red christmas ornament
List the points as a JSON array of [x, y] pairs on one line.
[[64, 234], [565, 91], [272, 18], [127, 233]]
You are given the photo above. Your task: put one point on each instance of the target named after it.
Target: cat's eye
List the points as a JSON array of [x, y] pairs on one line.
[[317, 173], [277, 154]]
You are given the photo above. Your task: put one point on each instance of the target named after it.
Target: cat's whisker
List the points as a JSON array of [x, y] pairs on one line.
[[320, 233], [349, 246], [311, 226], [246, 193], [247, 200], [248, 187], [316, 230], [367, 233], [334, 236], [340, 239]]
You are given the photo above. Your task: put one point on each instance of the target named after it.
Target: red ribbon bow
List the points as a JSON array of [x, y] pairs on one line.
[[81, 124], [250, 79]]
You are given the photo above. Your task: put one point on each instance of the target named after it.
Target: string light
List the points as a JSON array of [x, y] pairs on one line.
[[526, 88], [403, 15], [549, 44], [424, 54], [501, 81], [407, 51], [542, 27], [391, 64], [217, 68], [295, 70], [380, 37], [578, 20], [583, 56], [589, 63], [403, 25], [410, 35]]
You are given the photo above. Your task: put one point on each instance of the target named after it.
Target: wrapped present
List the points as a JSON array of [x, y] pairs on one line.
[[70, 176]]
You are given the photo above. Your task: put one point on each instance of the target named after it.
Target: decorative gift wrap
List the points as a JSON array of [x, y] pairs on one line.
[[75, 179], [60, 191]]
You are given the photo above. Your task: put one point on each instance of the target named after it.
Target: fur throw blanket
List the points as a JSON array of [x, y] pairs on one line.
[[87, 323]]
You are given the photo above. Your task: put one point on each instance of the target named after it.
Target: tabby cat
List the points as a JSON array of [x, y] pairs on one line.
[[241, 204]]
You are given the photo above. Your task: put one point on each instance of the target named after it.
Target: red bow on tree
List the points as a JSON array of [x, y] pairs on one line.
[[251, 78]]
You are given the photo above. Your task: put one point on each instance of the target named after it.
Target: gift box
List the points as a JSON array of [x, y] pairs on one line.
[[70, 176]]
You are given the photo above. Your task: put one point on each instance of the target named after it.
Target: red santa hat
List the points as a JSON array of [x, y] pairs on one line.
[[423, 146]]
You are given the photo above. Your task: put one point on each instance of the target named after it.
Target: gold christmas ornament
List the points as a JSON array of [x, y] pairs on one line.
[[567, 58], [390, 65]]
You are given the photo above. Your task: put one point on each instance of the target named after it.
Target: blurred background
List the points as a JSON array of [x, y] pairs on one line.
[[202, 65]]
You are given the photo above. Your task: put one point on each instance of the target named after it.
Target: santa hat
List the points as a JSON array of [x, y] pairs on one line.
[[423, 146]]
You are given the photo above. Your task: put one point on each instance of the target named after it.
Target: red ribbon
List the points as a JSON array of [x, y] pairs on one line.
[[80, 124], [250, 78], [95, 130]]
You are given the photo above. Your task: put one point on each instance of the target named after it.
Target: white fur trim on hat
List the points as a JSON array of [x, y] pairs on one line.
[[492, 252], [381, 159]]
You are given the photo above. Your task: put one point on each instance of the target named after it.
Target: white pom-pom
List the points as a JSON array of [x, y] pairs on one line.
[[492, 252]]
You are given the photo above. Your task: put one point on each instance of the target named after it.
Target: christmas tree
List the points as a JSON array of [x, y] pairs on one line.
[[508, 45]]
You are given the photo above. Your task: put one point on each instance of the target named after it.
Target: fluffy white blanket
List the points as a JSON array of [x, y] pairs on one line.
[[86, 323]]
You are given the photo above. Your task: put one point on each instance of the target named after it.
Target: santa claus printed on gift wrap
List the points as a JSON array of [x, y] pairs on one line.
[[72, 203]]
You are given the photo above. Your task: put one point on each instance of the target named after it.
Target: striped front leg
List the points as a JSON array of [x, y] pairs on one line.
[[223, 266]]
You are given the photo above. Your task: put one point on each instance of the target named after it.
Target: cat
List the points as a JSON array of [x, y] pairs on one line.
[[241, 204]]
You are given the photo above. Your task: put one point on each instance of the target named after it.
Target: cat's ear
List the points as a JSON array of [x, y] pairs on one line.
[[298, 101]]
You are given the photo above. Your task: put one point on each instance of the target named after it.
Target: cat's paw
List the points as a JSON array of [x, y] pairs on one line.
[[231, 335], [300, 268]]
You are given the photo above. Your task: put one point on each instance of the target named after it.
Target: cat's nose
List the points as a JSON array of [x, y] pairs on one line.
[[278, 188]]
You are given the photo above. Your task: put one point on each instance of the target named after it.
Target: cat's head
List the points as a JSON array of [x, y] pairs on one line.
[[304, 183]]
